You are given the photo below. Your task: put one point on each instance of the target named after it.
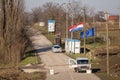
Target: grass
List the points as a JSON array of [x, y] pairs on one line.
[[30, 57], [104, 76], [88, 55], [74, 56], [15, 74], [114, 37], [28, 60]]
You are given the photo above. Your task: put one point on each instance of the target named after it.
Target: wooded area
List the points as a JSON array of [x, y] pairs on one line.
[[13, 39]]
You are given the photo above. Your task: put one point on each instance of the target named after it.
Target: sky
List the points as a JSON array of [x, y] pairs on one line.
[[111, 6]]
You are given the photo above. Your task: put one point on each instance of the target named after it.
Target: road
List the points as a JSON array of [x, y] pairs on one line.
[[57, 61]]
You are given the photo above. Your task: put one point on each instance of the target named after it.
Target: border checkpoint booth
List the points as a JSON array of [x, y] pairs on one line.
[[72, 46]]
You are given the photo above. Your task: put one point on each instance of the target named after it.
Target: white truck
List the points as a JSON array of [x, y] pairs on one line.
[[80, 64]]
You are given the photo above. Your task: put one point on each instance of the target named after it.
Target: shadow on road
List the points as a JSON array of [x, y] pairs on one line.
[[94, 70], [44, 49]]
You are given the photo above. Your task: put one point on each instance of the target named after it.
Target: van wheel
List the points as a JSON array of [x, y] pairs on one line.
[[75, 69]]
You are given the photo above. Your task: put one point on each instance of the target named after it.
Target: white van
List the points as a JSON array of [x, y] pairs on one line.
[[80, 64]]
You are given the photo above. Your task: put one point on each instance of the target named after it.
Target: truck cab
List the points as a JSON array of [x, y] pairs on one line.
[[80, 64]]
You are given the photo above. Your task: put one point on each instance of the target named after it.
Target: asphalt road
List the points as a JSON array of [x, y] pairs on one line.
[[58, 62]]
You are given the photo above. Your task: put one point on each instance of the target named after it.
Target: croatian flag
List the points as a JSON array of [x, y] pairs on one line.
[[76, 27]]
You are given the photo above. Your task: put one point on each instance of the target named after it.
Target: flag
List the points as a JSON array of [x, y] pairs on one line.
[[76, 27], [89, 33]]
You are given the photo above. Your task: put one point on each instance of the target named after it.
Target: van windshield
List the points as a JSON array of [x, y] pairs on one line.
[[56, 46], [82, 61]]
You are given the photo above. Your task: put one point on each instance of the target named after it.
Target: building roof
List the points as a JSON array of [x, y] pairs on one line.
[[72, 40], [113, 17]]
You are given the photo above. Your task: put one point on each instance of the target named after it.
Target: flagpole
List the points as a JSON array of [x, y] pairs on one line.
[[84, 28], [94, 35], [71, 32], [72, 25]]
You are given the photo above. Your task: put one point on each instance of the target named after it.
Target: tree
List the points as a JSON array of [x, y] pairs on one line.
[[12, 37], [75, 11], [55, 11], [37, 14]]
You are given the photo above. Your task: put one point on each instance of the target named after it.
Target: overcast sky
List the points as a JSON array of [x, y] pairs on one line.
[[100, 5]]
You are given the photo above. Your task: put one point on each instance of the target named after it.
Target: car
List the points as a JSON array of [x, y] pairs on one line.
[[57, 48]]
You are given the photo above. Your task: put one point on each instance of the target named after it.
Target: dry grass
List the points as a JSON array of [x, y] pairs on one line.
[[17, 74]]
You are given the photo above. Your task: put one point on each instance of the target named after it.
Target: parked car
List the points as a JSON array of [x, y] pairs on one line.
[[80, 64], [56, 48]]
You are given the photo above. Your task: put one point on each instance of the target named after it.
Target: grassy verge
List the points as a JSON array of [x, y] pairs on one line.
[[28, 60], [30, 57], [15, 74]]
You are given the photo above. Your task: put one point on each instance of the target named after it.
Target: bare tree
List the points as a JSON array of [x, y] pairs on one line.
[[12, 37], [56, 12], [37, 14], [75, 10]]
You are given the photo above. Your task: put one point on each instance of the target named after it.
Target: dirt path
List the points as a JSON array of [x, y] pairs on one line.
[[57, 61]]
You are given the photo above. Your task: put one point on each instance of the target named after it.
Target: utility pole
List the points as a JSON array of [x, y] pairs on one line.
[[67, 16], [107, 45], [119, 18], [60, 6], [95, 34], [67, 24], [84, 17]]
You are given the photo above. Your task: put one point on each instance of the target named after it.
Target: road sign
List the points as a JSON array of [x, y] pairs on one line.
[[51, 25]]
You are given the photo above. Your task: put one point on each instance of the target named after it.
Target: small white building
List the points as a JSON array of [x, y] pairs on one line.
[[72, 46], [42, 24]]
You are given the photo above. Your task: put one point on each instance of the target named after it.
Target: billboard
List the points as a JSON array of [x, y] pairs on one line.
[[51, 25]]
